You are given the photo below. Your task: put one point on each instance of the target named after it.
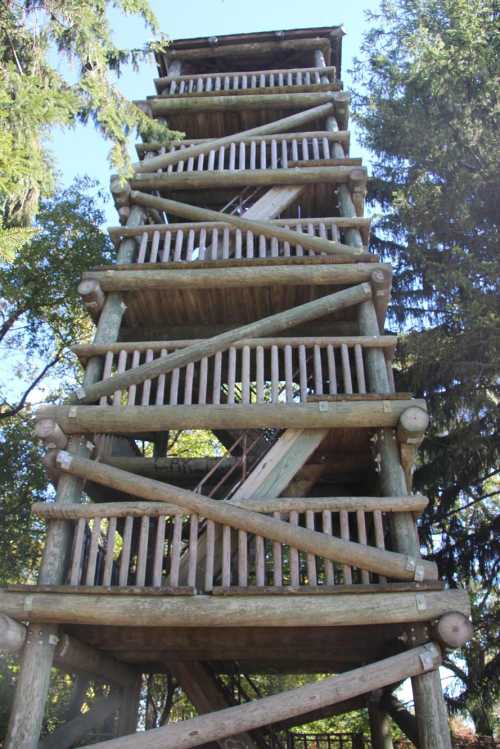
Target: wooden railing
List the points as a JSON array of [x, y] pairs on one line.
[[265, 370], [264, 152], [206, 83], [142, 543], [210, 241]]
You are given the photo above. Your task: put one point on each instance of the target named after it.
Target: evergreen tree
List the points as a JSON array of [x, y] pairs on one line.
[[428, 111]]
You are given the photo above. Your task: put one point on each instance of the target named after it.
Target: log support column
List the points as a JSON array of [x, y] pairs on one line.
[[380, 724]]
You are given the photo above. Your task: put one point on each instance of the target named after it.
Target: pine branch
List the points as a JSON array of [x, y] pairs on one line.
[[14, 410]]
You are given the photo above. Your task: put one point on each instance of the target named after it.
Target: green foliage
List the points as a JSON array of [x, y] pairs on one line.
[[35, 96], [429, 114]]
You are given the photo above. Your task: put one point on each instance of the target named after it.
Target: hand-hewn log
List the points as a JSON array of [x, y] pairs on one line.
[[69, 654], [266, 228], [412, 425], [92, 296], [430, 710], [279, 707], [265, 326], [69, 734], [336, 610], [220, 278], [413, 503], [348, 552], [249, 48], [139, 419], [453, 630], [270, 128], [51, 434]]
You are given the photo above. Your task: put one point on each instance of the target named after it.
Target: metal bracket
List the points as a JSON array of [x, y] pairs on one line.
[[420, 602]]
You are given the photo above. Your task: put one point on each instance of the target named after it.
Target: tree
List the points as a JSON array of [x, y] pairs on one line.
[[428, 112], [35, 95]]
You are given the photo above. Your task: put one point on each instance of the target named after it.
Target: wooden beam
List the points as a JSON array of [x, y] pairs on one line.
[[405, 721], [150, 419], [380, 724], [71, 733], [266, 326], [365, 557], [278, 126], [280, 707], [249, 48], [267, 228]]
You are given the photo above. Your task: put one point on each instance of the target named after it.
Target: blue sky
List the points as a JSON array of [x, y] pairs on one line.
[[82, 151]]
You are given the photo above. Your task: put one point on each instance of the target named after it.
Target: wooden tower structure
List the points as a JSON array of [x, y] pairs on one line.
[[243, 302]]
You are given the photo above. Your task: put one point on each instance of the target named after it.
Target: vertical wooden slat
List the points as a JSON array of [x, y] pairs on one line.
[[226, 555], [146, 387], [262, 245], [315, 148], [245, 374], [107, 369], [242, 558], [211, 160], [165, 255], [231, 374], [141, 255], [344, 533], [253, 154], [174, 387], [346, 368], [275, 374], [132, 391], [200, 163], [284, 153], [221, 158], [77, 552], [379, 537], [142, 554], [259, 355], [311, 559], [327, 528], [179, 240], [202, 389], [203, 243], [125, 555], [175, 552], [188, 384], [160, 387], [210, 555], [159, 551], [217, 378], [318, 371], [215, 244], [155, 244], [225, 243], [209, 83], [260, 561], [362, 539], [303, 373], [332, 373], [190, 164], [288, 373], [360, 369], [190, 245], [238, 243], [263, 154], [274, 154], [244, 81], [218, 83], [305, 149], [232, 157], [294, 554], [92, 556], [193, 550], [110, 549], [277, 559], [326, 148], [299, 250], [249, 247], [274, 247], [121, 367]]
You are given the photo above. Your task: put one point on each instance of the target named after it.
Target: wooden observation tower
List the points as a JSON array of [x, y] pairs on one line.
[[243, 302]]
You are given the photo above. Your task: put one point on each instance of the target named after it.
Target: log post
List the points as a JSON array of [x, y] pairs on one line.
[[32, 686], [129, 707], [380, 725], [92, 296], [51, 434], [72, 732], [400, 715]]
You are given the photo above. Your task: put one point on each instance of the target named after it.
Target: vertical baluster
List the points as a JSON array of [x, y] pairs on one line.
[[307, 78], [122, 365], [294, 555], [303, 373], [232, 157], [242, 558], [193, 550], [390, 376], [250, 249], [222, 151], [281, 79], [245, 375], [299, 250], [188, 384], [125, 555], [326, 148], [362, 539], [360, 369], [295, 150], [311, 559], [318, 371], [263, 154], [322, 231], [332, 372], [175, 554], [225, 243], [202, 390], [146, 387], [286, 246], [311, 231], [110, 549], [288, 373], [218, 83], [199, 87], [173, 87], [253, 81], [227, 83], [190, 245], [262, 80], [174, 387], [191, 85], [203, 243], [253, 154], [179, 167], [165, 255], [262, 245], [284, 153], [327, 529], [141, 255], [346, 368], [274, 247], [210, 555], [315, 149], [217, 378], [170, 167], [132, 391], [237, 244], [289, 78], [209, 83], [107, 369], [190, 164], [142, 554], [77, 552], [182, 86], [298, 78], [378, 526], [159, 551], [274, 154], [260, 561], [226, 556], [271, 80], [305, 149], [200, 163], [231, 375], [179, 240], [344, 533], [215, 244], [211, 160], [275, 374], [277, 559], [241, 156], [92, 557], [244, 81], [155, 244], [260, 373]]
